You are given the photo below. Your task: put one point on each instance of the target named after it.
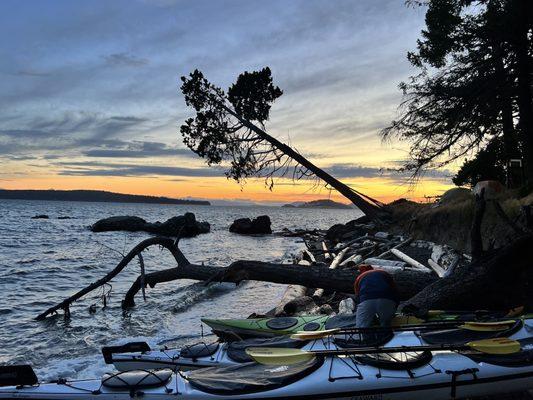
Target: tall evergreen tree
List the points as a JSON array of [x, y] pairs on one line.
[[473, 86]]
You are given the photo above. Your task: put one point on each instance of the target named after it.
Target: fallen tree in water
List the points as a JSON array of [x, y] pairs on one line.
[[319, 276]]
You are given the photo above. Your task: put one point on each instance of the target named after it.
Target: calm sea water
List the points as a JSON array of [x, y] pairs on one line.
[[42, 261]]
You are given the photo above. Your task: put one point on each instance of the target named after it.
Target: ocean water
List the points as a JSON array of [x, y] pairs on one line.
[[43, 261]]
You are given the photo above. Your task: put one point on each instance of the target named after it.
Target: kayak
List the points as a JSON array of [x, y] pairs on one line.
[[400, 376], [231, 329], [202, 354]]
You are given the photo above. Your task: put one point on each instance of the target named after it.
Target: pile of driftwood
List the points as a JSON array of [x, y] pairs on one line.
[[345, 247]]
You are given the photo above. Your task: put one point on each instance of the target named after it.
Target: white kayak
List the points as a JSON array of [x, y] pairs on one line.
[[398, 376], [200, 355]]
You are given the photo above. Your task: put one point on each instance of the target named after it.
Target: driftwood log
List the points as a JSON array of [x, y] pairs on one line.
[[317, 276], [341, 280]]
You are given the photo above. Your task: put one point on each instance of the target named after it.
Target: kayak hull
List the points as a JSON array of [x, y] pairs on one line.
[[446, 375]]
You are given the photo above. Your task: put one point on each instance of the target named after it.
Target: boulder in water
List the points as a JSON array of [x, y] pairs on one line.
[[120, 223], [246, 226], [40, 216], [183, 225]]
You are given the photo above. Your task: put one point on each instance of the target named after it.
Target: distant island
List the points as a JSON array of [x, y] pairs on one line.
[[325, 203], [94, 196]]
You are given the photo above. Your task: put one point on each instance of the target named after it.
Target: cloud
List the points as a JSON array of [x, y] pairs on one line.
[[88, 168], [125, 59], [29, 72], [346, 171], [69, 131], [138, 149]]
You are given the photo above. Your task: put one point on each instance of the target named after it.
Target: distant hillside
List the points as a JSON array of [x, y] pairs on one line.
[[92, 195], [319, 204]]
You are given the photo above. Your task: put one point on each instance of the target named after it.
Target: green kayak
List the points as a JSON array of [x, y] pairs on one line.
[[269, 327]]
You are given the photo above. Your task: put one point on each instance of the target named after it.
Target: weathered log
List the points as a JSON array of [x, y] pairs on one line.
[[341, 280], [411, 261], [292, 292], [356, 259], [334, 264], [500, 279], [307, 255], [437, 268], [327, 255], [404, 243], [377, 262]]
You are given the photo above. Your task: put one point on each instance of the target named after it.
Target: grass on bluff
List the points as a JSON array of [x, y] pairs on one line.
[[450, 221]]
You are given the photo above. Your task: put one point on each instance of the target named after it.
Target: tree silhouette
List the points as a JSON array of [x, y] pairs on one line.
[[474, 84], [229, 130]]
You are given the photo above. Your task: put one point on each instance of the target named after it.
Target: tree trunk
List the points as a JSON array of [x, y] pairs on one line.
[[476, 239], [500, 280], [525, 104], [366, 204], [340, 280], [503, 91]]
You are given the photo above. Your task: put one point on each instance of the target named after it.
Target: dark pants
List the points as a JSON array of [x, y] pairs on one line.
[[368, 309]]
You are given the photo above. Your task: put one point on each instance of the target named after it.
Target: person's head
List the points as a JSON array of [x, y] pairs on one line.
[[364, 268]]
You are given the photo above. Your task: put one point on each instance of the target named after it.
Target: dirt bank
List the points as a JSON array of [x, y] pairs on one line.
[[450, 221]]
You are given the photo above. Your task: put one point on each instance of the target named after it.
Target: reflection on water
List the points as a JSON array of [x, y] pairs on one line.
[[42, 261]]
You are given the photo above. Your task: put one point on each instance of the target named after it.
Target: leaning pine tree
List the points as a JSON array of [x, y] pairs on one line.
[[229, 129]]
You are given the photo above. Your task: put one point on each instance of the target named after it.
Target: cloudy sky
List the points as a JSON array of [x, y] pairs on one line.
[[89, 91]]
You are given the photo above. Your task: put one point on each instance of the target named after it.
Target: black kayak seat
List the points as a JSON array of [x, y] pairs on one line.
[[132, 347], [250, 377], [236, 351], [199, 350], [458, 336], [523, 358], [17, 375], [137, 379], [281, 323]]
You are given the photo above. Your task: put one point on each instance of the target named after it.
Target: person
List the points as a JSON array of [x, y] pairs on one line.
[[376, 294]]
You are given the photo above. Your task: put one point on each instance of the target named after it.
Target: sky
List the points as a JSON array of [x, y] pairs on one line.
[[90, 99]]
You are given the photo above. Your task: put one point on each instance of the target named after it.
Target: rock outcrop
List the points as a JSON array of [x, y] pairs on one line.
[[246, 226], [183, 225]]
